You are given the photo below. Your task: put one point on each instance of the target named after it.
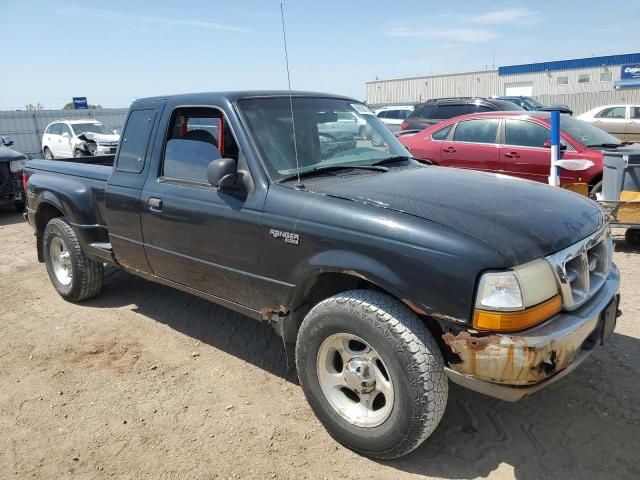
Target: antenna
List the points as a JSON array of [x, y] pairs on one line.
[[299, 184]]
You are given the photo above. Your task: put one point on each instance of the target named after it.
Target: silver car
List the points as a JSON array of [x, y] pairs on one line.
[[621, 121]]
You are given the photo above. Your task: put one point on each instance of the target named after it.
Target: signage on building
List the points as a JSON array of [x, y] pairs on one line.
[[630, 71], [80, 103]]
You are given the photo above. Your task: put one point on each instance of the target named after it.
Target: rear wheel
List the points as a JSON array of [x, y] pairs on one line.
[[47, 153], [371, 372], [632, 236], [376, 139], [75, 276]]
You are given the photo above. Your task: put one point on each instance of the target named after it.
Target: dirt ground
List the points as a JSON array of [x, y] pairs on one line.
[[148, 382]]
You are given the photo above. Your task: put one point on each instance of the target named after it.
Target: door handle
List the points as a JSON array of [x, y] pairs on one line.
[[512, 155], [449, 150], [155, 204]]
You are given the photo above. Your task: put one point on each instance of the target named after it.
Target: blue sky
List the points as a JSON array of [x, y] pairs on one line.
[[114, 51]]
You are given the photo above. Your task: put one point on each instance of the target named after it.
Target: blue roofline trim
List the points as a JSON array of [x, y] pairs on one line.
[[589, 62]]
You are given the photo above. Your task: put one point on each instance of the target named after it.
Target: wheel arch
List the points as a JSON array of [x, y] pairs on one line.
[[44, 213], [322, 284]]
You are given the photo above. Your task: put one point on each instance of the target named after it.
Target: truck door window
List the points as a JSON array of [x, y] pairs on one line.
[[196, 137], [135, 138]]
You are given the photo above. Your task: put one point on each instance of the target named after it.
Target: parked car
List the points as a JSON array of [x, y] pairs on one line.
[[530, 103], [384, 277], [513, 143], [11, 168], [347, 122], [439, 109], [393, 116], [623, 121], [78, 138]]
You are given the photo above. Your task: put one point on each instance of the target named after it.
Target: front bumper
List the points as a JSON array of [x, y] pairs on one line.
[[512, 366]]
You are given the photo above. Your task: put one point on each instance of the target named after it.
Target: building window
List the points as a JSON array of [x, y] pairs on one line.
[[564, 80], [584, 78], [606, 76]]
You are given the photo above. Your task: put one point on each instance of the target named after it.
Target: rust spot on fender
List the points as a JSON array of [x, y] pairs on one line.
[[268, 313]]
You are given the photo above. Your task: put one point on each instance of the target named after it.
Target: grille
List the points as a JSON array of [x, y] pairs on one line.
[[582, 268]]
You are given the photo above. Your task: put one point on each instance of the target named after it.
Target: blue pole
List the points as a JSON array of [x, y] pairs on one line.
[[555, 148]]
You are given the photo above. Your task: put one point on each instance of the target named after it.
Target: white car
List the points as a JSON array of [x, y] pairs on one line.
[[78, 138], [350, 122], [621, 121], [393, 116]]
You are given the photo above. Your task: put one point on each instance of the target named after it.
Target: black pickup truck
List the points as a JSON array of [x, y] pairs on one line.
[[385, 278]]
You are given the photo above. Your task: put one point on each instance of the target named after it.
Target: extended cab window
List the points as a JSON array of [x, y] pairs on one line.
[[526, 134], [477, 131], [196, 137], [135, 138]]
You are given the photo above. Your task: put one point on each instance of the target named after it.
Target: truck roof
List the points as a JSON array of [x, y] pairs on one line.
[[234, 96]]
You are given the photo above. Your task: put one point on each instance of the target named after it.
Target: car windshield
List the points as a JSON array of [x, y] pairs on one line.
[[79, 128], [586, 133], [329, 133]]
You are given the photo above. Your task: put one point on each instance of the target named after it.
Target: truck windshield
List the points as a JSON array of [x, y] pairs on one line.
[[329, 133], [80, 128]]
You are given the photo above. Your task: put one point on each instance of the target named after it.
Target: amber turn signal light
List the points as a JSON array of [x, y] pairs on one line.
[[513, 321]]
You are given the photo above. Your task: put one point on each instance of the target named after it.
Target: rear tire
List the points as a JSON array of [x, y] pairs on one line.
[[75, 276], [376, 139], [368, 331], [632, 236]]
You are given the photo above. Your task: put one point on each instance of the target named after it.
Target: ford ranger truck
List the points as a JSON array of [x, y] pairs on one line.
[[387, 279]]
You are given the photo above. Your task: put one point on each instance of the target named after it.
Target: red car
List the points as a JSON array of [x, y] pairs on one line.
[[513, 143]]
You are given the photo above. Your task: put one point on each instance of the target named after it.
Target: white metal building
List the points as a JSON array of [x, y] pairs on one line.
[[581, 83]]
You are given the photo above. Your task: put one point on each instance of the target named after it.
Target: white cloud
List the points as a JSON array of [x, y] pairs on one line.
[[455, 34], [84, 12], [517, 15]]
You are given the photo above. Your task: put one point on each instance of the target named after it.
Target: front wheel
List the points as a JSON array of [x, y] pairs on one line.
[[79, 153], [47, 153], [75, 276], [372, 373]]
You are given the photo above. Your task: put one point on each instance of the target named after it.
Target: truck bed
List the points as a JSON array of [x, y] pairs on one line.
[[87, 179]]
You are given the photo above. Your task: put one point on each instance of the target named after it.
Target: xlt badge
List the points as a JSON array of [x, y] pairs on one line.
[[288, 237]]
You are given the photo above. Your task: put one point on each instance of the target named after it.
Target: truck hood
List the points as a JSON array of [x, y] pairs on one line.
[[9, 155], [521, 219]]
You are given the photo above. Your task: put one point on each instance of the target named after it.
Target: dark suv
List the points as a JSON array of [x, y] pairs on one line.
[[438, 109]]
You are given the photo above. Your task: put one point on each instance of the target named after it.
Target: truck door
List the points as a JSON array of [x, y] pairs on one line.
[[194, 234], [124, 189]]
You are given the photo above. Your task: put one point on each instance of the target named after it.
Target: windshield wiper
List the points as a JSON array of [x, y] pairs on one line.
[[328, 168], [609, 145], [394, 159]]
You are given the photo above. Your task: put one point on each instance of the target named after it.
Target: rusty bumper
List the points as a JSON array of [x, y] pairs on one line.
[[512, 366]]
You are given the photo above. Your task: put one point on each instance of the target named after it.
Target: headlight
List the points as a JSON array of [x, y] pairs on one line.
[[518, 298], [17, 165]]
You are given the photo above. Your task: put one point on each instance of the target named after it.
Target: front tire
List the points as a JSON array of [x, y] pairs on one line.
[[77, 153], [75, 276], [47, 153], [364, 350]]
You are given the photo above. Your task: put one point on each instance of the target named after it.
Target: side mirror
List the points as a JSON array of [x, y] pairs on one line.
[[6, 140], [222, 173], [547, 144]]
